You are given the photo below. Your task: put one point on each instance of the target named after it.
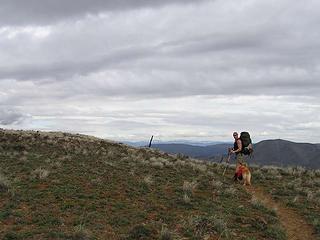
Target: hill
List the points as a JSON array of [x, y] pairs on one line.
[[66, 186], [285, 153], [187, 142], [201, 152], [269, 152]]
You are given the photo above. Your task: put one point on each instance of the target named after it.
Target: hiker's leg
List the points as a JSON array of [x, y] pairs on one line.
[[239, 160], [235, 177]]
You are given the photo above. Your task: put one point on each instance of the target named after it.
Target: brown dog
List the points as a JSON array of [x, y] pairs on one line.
[[246, 175], [243, 172]]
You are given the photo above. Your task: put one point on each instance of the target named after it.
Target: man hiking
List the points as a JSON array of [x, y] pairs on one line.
[[237, 150]]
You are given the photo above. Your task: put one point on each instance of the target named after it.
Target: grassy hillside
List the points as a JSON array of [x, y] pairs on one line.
[[63, 186]]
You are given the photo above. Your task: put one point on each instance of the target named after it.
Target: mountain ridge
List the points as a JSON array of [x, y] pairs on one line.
[[277, 152]]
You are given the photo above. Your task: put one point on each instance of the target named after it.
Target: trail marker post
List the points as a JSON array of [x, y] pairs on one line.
[[150, 141]]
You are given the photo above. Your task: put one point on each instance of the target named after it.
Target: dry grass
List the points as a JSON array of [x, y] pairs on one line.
[[186, 198], [4, 183], [189, 187], [207, 225], [81, 233], [148, 180], [40, 173], [165, 233], [216, 184]]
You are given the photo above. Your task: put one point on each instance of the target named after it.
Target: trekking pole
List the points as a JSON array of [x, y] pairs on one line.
[[227, 161]]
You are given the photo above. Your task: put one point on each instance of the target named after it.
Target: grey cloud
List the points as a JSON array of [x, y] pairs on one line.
[[40, 12], [170, 58], [63, 70], [11, 116], [215, 43], [129, 125]]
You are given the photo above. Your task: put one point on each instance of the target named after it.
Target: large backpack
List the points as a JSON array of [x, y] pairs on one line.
[[247, 147]]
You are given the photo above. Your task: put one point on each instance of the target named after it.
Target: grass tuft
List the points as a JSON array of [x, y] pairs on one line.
[[189, 187], [4, 184], [165, 234], [41, 173]]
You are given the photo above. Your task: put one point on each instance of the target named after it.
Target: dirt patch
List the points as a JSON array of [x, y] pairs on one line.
[[295, 225]]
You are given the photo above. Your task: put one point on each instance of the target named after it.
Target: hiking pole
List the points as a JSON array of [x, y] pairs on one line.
[[227, 161]]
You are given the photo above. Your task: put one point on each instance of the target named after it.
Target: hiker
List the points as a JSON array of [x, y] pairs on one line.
[[237, 150]]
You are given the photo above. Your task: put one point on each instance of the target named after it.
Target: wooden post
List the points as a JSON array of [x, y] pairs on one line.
[[150, 141]]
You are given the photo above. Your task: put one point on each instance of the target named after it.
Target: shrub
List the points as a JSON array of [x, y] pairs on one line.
[[295, 199], [216, 184], [180, 163], [4, 184], [231, 191], [11, 236], [165, 234], [189, 187], [311, 173], [56, 164], [203, 225], [287, 171], [108, 163], [157, 164], [317, 172], [81, 233], [276, 233], [186, 198], [139, 232], [200, 167], [258, 174], [148, 180], [41, 173], [298, 171], [316, 224], [256, 203], [182, 156], [310, 195]]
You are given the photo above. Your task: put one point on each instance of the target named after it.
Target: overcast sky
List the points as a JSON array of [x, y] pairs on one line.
[[176, 69]]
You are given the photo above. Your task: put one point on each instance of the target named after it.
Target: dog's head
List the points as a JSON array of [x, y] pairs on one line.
[[244, 168]]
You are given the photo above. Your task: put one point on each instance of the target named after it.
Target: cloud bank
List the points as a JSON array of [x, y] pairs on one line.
[[179, 69]]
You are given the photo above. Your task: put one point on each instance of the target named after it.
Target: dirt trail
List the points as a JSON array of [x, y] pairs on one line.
[[296, 227]]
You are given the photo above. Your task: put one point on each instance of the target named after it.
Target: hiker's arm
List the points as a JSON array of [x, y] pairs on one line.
[[239, 147]]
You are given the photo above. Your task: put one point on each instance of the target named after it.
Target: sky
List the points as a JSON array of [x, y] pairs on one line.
[[176, 69]]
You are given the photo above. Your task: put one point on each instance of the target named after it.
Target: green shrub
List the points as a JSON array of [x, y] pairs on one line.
[[4, 184], [139, 232], [276, 233]]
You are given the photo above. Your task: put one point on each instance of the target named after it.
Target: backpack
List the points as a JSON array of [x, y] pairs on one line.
[[247, 147]]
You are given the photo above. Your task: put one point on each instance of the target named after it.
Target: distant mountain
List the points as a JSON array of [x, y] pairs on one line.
[[136, 144], [183, 142], [202, 152], [269, 152], [284, 153]]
